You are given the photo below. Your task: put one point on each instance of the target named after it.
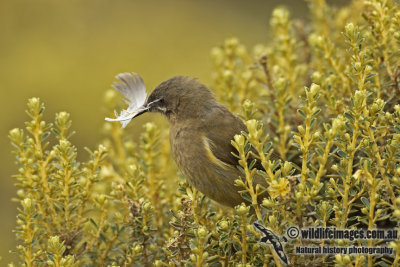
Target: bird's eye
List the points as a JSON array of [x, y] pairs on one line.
[[162, 100]]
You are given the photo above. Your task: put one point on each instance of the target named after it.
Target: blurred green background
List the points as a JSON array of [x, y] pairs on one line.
[[68, 52]]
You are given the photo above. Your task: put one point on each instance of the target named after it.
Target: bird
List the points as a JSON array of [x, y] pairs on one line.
[[201, 130]]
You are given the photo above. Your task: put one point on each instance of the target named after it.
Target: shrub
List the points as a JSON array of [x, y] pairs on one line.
[[322, 94]]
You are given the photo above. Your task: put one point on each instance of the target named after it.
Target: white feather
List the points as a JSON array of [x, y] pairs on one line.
[[133, 89]]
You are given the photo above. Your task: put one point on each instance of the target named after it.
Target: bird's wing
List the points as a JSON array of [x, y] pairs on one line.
[[220, 128]]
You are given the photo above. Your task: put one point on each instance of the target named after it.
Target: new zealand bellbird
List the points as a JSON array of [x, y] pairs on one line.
[[200, 134]]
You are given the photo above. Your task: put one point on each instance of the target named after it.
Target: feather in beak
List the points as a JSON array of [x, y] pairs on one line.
[[131, 86]]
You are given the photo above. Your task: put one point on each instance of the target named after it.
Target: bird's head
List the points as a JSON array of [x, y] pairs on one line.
[[179, 97]]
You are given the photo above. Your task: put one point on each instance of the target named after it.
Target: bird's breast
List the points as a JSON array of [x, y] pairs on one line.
[[187, 150], [192, 153]]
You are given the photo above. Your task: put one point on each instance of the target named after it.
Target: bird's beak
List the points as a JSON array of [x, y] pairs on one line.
[[144, 110], [147, 107]]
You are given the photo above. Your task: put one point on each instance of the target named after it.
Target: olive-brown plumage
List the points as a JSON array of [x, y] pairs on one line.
[[200, 135]]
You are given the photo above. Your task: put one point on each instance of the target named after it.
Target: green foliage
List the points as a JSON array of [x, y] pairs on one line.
[[338, 139]]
